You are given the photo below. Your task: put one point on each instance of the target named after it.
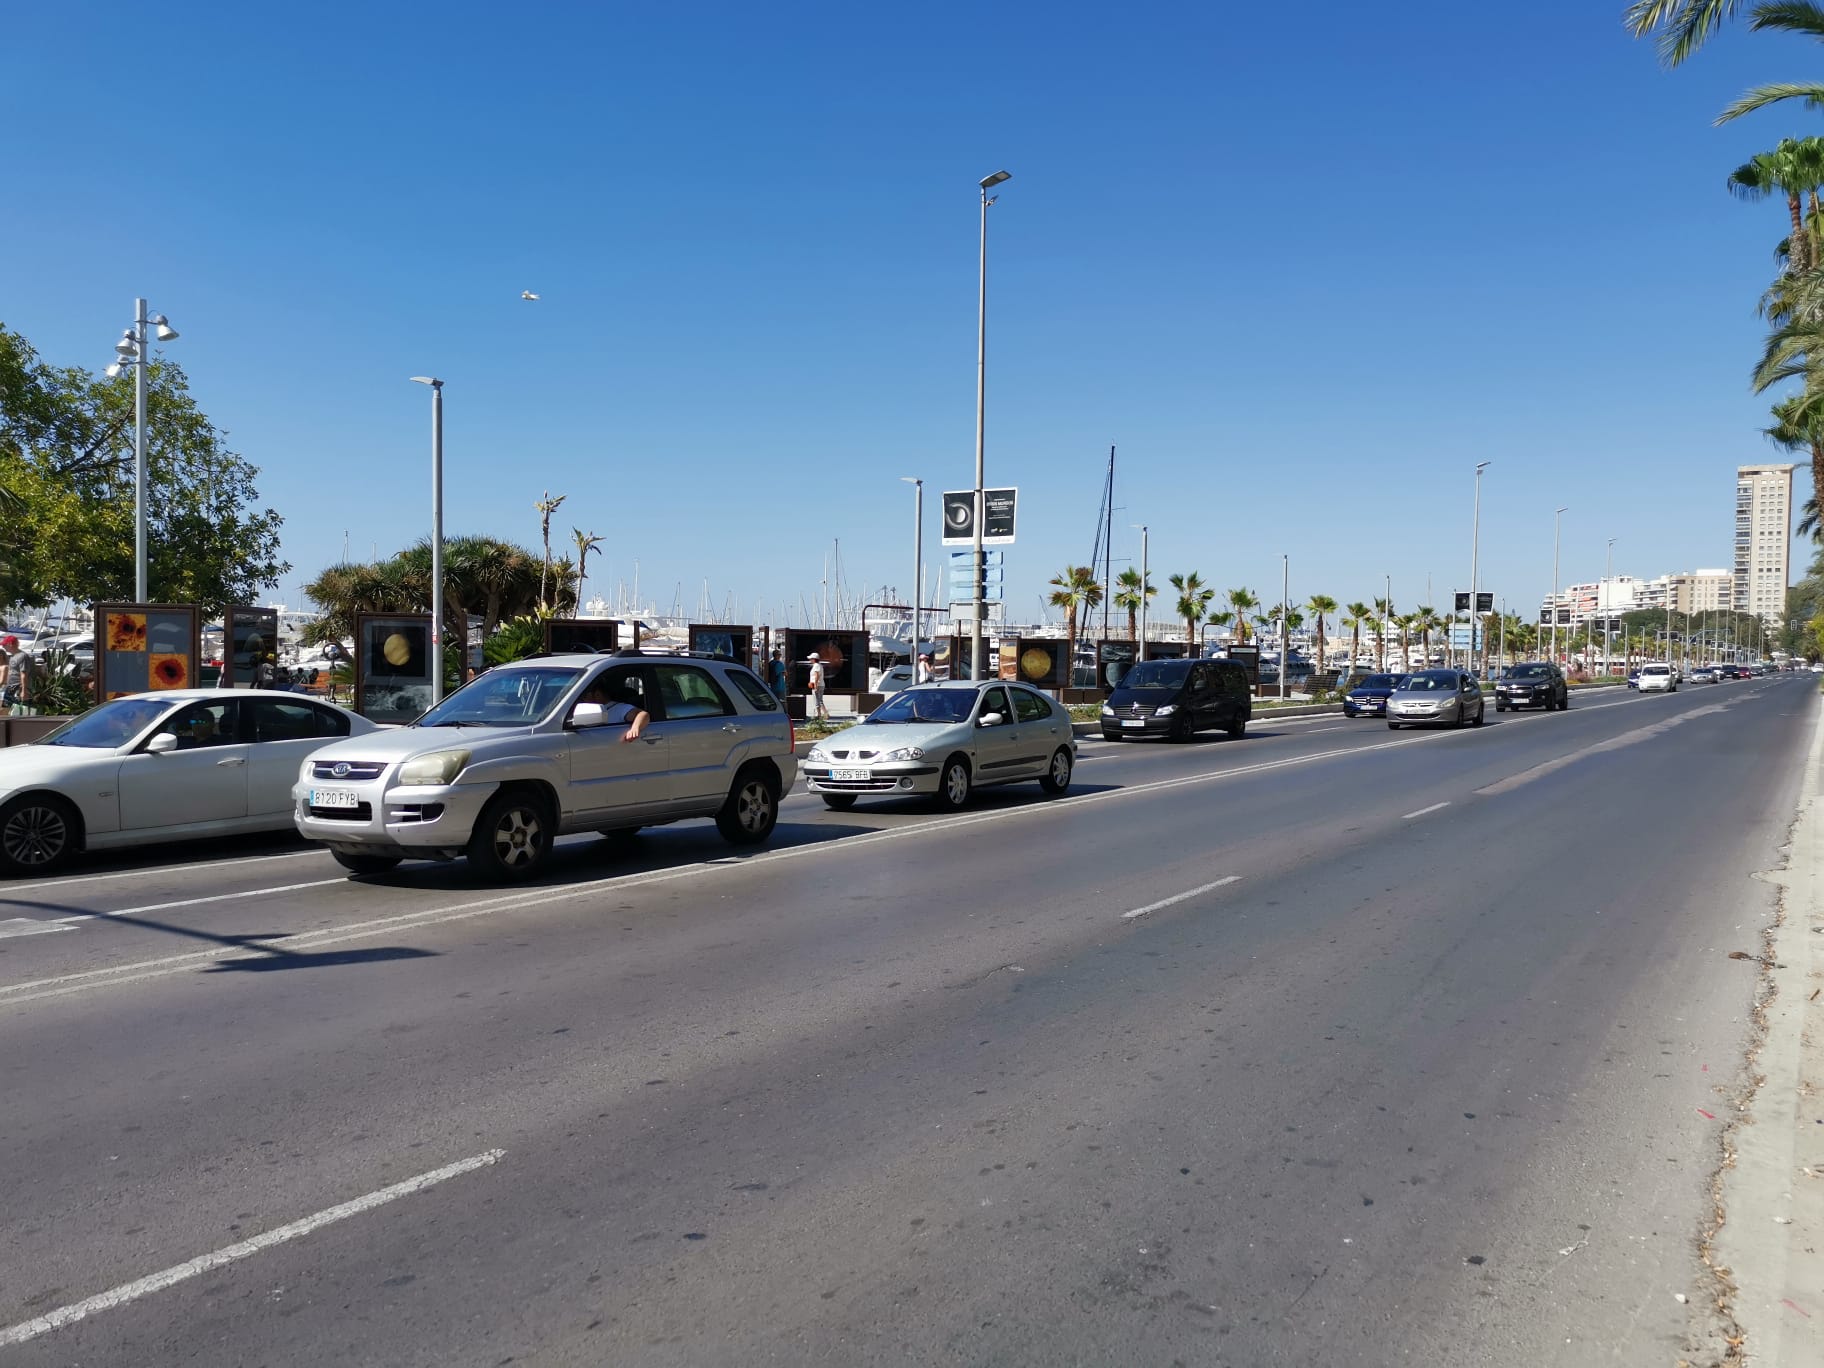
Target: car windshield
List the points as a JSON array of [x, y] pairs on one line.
[[1381, 681], [1530, 672], [1155, 674], [1429, 681], [112, 724], [503, 697], [926, 705]]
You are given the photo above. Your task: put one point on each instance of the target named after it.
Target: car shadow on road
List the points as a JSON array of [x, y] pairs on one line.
[[264, 955]]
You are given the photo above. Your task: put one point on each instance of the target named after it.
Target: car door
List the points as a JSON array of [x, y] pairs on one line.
[[997, 747], [614, 781], [280, 734], [1042, 728], [1198, 696], [203, 780], [1469, 697], [703, 729]]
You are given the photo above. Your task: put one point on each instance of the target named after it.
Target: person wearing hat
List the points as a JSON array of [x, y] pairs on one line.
[[815, 688], [922, 675], [8, 690]]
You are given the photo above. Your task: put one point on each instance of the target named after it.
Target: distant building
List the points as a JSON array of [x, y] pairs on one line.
[[1763, 537], [1701, 591]]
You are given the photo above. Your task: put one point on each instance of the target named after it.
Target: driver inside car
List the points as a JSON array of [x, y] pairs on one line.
[[619, 710]]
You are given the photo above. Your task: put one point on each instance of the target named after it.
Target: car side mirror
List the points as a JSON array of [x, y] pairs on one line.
[[162, 744], [990, 720], [588, 715]]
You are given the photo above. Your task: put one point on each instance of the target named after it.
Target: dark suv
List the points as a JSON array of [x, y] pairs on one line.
[[1176, 698], [1536, 684]]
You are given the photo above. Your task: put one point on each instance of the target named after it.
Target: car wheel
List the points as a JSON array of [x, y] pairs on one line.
[[1500, 707], [1057, 778], [1481, 714], [1180, 730], [1238, 729], [1566, 703], [840, 802], [953, 786], [512, 836], [366, 864], [1393, 726], [37, 833], [752, 809]]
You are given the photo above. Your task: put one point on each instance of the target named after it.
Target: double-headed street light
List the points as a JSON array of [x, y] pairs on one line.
[[1475, 549], [1608, 619], [436, 533], [131, 350], [1557, 517], [977, 651]]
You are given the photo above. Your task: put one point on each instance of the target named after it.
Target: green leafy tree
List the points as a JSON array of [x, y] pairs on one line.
[[66, 466], [1794, 170], [1359, 616], [546, 507], [1242, 602], [585, 543], [1131, 594], [1074, 589], [1194, 599]]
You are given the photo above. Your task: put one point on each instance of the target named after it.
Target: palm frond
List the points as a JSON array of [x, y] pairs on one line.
[[1762, 96], [1682, 25], [1788, 16]]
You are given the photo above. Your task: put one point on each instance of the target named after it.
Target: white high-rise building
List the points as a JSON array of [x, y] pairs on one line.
[[1763, 539]]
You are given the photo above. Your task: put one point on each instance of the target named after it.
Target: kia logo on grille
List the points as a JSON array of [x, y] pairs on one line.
[[339, 770]]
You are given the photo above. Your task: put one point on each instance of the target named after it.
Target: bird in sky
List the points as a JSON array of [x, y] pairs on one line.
[[527, 294]]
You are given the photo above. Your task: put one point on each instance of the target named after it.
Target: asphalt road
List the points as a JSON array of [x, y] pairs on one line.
[[1328, 1046]]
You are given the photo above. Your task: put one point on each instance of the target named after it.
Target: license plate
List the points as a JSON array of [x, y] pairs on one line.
[[849, 776], [334, 798], [1134, 722]]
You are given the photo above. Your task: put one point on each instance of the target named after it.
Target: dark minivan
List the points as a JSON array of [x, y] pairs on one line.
[[1175, 698]]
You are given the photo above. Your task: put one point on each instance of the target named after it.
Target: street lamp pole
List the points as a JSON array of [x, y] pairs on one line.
[[1475, 549], [1285, 617], [1608, 620], [977, 652], [1145, 589], [134, 350], [918, 560], [1557, 519], [436, 535]]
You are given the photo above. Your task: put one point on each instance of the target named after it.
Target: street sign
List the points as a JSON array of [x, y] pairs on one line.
[[997, 523], [1485, 602]]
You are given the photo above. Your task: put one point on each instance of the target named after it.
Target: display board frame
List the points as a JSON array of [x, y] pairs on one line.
[[146, 648], [401, 690]]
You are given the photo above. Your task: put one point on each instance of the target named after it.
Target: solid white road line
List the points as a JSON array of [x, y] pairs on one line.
[[153, 871], [1408, 816], [1181, 897], [157, 1282], [198, 902], [25, 926]]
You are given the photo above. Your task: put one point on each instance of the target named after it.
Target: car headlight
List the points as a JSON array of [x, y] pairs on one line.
[[1107, 711], [438, 767], [905, 753], [815, 753], [1166, 710]]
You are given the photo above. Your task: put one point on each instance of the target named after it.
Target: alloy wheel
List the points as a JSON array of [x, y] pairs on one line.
[[516, 837], [35, 836]]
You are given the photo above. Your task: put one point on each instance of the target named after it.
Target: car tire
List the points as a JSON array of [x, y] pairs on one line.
[[1393, 726], [1056, 778], [752, 808], [1481, 715], [512, 837], [839, 802], [1500, 707], [1181, 729], [954, 785], [38, 833], [1566, 704], [1238, 729], [366, 864]]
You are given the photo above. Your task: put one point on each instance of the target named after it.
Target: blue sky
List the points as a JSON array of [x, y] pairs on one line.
[[1304, 272]]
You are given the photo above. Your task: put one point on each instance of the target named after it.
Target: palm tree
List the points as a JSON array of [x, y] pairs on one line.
[[1795, 170], [1682, 25], [1360, 614], [546, 507], [1242, 602], [1320, 606], [1193, 603], [585, 543], [1131, 595], [1790, 16], [1222, 619], [1383, 613], [1427, 621], [1807, 525], [1406, 622], [1075, 587], [1798, 426]]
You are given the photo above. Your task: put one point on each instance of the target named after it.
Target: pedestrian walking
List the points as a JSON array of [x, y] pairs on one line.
[[8, 692], [775, 673], [19, 677], [923, 674], [815, 688]]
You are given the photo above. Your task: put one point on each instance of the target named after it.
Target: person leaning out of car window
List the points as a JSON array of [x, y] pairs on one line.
[[619, 709]]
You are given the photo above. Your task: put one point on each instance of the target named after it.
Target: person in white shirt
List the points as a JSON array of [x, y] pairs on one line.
[[815, 687]]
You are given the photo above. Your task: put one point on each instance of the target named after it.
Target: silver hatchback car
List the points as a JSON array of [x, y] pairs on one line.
[[1449, 698], [946, 740]]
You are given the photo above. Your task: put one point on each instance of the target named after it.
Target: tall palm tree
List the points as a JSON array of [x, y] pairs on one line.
[[1681, 25], [1794, 170], [1320, 606], [1073, 588], [1131, 595], [585, 543], [1359, 616], [1406, 622], [546, 507], [1798, 426], [1193, 603], [1427, 621], [1242, 602], [1383, 614], [1221, 619]]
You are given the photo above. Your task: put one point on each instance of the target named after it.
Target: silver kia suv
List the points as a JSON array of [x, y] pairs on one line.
[[516, 757]]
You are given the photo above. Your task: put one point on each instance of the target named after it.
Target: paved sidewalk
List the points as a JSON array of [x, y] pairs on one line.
[[1770, 1246]]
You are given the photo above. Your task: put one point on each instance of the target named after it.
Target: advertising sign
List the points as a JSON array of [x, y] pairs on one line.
[[1042, 662], [1485, 601], [950, 658], [1167, 650], [997, 522], [725, 643], [146, 646], [1114, 658], [249, 636], [565, 635], [843, 655], [392, 665]]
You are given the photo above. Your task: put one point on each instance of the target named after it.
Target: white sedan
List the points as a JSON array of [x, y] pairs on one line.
[[163, 766]]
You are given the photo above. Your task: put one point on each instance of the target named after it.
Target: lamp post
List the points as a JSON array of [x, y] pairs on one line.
[[1285, 615], [131, 351], [1608, 620], [977, 662], [436, 534], [1146, 588], [1475, 548], [1557, 518], [918, 559]]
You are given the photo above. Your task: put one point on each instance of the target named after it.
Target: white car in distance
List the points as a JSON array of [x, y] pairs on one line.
[[1657, 679]]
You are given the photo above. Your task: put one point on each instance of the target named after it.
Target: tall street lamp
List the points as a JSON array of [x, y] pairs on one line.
[[1285, 620], [1608, 620], [1146, 588], [1475, 548], [436, 533], [977, 652], [918, 559], [1557, 519], [131, 351]]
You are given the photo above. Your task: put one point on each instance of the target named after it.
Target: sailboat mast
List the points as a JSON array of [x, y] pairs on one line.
[[1108, 540]]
